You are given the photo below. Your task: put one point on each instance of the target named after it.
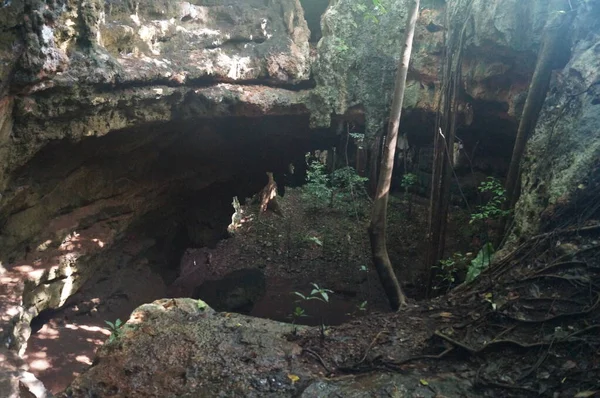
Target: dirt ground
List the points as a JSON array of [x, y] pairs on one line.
[[327, 247]]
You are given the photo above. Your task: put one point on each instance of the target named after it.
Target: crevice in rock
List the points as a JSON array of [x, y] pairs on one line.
[[313, 10]]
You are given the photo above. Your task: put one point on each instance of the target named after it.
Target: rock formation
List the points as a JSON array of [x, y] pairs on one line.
[[117, 116]]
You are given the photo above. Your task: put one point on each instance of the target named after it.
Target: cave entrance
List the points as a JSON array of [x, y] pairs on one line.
[[313, 11], [154, 192]]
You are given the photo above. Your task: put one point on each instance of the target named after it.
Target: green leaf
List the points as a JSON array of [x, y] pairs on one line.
[[300, 295]]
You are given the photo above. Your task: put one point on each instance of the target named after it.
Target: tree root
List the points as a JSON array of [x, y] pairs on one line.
[[319, 358], [391, 365], [563, 264], [503, 343], [559, 316]]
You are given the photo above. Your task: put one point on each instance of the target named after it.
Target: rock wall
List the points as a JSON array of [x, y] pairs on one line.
[[359, 53], [562, 161], [110, 110]]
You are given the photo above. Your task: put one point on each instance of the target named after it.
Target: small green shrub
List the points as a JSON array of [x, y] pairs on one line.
[[448, 270], [341, 189], [492, 209], [317, 189], [115, 329], [408, 180]]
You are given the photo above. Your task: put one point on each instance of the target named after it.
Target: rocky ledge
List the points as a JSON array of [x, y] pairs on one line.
[[183, 348]]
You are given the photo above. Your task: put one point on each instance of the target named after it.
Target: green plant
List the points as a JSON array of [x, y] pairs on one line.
[[115, 330], [481, 262], [317, 189], [340, 189], [372, 11], [347, 187], [340, 45], [319, 293], [298, 313], [314, 240], [448, 269], [408, 180], [492, 208], [362, 306]]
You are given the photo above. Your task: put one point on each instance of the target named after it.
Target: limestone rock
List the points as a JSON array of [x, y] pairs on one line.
[[182, 348], [561, 167]]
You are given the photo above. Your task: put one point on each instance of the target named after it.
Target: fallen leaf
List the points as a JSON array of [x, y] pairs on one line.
[[446, 315], [586, 394], [424, 382], [293, 378], [569, 365]]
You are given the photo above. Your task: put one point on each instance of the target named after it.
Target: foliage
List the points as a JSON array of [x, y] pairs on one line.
[[492, 209], [315, 240], [317, 189], [448, 269], [340, 45], [298, 313], [339, 189], [362, 306], [317, 293], [347, 187], [408, 180], [481, 262], [115, 329], [370, 11]]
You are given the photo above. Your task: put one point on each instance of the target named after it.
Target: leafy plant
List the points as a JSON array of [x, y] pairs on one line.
[[492, 209], [339, 189], [448, 269], [362, 306], [408, 181], [347, 187], [372, 11], [481, 262], [340, 45], [320, 293], [317, 189], [315, 240], [298, 313], [115, 330]]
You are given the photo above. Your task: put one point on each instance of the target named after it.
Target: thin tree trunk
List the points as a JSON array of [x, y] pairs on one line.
[[378, 226], [445, 132], [555, 30], [374, 163]]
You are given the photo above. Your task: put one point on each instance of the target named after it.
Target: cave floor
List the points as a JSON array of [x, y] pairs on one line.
[[328, 247]]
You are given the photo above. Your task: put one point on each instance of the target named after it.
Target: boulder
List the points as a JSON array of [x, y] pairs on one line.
[[183, 348]]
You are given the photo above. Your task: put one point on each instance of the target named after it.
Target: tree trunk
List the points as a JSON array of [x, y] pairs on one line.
[[555, 30], [378, 226], [445, 131], [374, 164]]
